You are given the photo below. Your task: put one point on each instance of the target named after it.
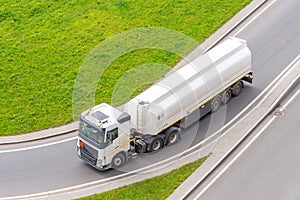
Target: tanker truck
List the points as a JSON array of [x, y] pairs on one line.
[[108, 137]]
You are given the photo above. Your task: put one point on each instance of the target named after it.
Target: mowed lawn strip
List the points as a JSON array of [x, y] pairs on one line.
[[43, 44], [159, 187]]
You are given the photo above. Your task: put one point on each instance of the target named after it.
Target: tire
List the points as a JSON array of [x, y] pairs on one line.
[[237, 89], [173, 137], [156, 144], [118, 161], [215, 104], [226, 96]]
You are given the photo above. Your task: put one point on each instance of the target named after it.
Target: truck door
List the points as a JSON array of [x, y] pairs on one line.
[[112, 137], [114, 143]]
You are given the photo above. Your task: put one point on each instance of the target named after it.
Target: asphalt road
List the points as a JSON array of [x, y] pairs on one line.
[[269, 167], [274, 41]]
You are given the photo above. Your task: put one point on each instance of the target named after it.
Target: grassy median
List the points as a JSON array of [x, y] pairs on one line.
[[159, 187], [43, 44]]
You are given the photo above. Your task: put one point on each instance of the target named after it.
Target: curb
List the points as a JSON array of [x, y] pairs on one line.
[[232, 138], [214, 39], [39, 135]]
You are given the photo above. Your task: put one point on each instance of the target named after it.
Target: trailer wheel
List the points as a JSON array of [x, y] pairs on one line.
[[156, 144], [226, 96], [215, 104], [237, 88], [118, 160]]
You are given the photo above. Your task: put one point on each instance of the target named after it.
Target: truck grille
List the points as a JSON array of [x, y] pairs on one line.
[[89, 154]]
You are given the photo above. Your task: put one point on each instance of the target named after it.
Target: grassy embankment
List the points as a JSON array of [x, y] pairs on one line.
[[43, 44], [159, 187]]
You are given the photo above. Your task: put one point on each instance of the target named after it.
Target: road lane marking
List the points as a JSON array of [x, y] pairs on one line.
[[247, 24], [38, 146], [290, 100], [233, 160], [246, 147], [235, 26]]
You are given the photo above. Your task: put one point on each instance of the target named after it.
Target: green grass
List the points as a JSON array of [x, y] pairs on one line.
[[159, 187], [44, 42]]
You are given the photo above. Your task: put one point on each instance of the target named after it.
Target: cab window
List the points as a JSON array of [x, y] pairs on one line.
[[112, 135]]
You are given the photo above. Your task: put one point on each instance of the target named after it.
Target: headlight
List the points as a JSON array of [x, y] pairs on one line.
[[99, 162]]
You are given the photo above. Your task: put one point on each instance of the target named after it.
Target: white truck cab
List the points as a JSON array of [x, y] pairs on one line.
[[104, 136]]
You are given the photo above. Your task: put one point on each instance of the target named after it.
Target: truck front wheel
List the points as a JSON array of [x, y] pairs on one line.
[[118, 160]]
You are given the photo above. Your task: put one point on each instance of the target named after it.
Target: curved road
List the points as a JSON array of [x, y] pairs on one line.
[[273, 38], [268, 168]]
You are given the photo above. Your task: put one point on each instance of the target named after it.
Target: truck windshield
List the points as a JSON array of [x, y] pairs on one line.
[[96, 135]]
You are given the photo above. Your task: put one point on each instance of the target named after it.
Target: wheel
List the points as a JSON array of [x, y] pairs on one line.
[[215, 104], [118, 161], [237, 88], [156, 144], [226, 96], [173, 137]]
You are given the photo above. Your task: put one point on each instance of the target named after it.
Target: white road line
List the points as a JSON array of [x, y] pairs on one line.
[[234, 26], [290, 100], [263, 10], [234, 159], [38, 146], [246, 147]]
